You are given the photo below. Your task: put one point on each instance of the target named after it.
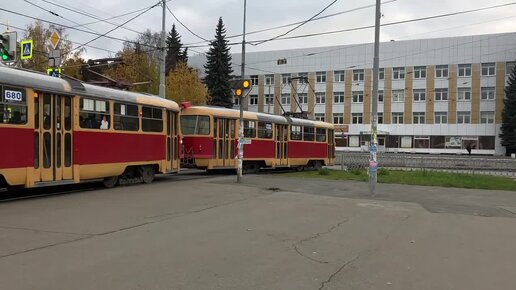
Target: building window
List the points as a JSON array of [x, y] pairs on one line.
[[358, 74], [296, 133], [285, 99], [338, 118], [320, 98], [269, 99], [509, 67], [303, 78], [464, 94], [358, 97], [269, 79], [464, 70], [338, 97], [488, 69], [441, 94], [420, 72], [463, 117], [419, 95], [338, 75], [398, 95], [236, 100], [320, 77], [418, 118], [487, 93], [380, 118], [254, 80], [397, 118], [356, 118], [285, 79], [319, 117], [441, 71], [253, 99], [303, 98], [381, 74], [441, 118], [487, 117], [398, 73], [380, 96]]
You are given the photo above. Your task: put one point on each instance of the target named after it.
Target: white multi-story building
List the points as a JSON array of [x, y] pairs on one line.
[[435, 95]]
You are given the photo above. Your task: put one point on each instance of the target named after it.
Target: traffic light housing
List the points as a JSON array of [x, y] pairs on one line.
[[8, 46], [239, 86]]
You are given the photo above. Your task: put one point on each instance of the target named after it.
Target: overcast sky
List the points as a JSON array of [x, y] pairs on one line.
[[201, 17]]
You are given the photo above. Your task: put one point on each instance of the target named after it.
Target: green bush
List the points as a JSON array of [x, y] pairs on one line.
[[324, 171], [383, 172], [357, 171]]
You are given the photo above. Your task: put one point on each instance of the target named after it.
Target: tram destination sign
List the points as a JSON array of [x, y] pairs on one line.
[[12, 95]]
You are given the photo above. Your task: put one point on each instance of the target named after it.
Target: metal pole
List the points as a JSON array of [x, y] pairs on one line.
[[373, 147], [242, 100], [162, 63]]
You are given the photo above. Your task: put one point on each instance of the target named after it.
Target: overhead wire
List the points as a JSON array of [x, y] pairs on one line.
[[299, 25], [186, 27], [74, 28], [77, 11]]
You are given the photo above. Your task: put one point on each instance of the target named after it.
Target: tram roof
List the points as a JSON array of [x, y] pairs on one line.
[[277, 119], [45, 83]]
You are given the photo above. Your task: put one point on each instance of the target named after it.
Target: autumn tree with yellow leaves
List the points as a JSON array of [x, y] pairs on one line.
[[183, 84]]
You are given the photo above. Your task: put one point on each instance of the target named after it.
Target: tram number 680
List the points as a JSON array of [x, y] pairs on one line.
[[13, 96]]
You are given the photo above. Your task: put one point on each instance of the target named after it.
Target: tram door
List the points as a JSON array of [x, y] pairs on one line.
[[172, 141], [281, 145], [53, 137], [224, 142]]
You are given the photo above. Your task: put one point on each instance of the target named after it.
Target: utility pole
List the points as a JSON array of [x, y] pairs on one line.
[[373, 146], [163, 53], [242, 99]]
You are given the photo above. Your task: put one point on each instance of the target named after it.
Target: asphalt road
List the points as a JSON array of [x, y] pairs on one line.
[[271, 232]]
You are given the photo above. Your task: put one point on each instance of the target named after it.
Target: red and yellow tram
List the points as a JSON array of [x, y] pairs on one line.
[[210, 140], [56, 131]]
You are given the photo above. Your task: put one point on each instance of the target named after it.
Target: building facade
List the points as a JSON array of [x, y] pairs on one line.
[[435, 95]]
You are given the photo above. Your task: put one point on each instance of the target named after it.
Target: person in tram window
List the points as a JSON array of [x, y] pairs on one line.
[[104, 124]]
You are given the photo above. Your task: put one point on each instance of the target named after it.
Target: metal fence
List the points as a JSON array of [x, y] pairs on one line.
[[457, 164]]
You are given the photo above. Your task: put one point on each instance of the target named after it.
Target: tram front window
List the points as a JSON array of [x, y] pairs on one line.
[[195, 125], [13, 114]]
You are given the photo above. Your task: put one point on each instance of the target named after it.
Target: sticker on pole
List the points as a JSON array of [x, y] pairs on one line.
[[245, 141], [373, 166]]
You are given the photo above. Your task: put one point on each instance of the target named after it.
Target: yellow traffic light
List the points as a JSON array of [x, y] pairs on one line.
[[246, 84], [238, 92]]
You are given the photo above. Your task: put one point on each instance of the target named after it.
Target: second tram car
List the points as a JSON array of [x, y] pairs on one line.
[[56, 131], [210, 140]]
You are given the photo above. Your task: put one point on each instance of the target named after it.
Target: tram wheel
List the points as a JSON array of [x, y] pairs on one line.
[[147, 174], [110, 182]]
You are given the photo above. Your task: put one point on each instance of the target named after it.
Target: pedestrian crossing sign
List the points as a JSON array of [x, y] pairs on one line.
[[26, 49]]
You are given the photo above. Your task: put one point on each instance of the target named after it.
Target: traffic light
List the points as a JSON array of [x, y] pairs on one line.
[[8, 46], [239, 86]]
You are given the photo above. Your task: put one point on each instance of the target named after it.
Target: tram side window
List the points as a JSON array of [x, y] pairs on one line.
[[296, 133], [94, 114], [152, 119], [195, 125], [249, 129], [125, 117], [308, 133], [320, 135], [13, 106], [265, 130]]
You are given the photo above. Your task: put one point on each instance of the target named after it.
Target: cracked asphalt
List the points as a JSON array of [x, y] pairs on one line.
[[270, 232]]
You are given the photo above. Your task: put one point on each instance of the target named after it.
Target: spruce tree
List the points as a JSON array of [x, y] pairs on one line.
[[174, 53], [218, 70], [508, 134]]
